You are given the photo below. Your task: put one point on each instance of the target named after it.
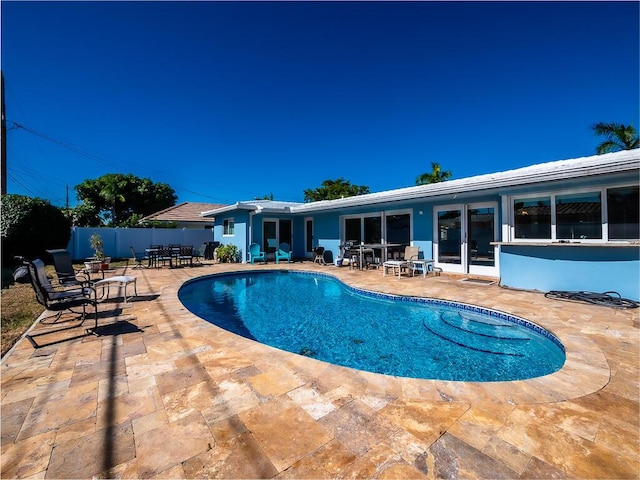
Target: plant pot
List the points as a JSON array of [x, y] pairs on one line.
[[92, 266], [104, 264]]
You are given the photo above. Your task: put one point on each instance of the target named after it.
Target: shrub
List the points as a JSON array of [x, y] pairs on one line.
[[227, 253], [30, 226]]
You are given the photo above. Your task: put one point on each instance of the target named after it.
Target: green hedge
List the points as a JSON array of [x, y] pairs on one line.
[[30, 226]]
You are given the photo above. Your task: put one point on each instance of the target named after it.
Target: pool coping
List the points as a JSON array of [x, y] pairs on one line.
[[584, 359]]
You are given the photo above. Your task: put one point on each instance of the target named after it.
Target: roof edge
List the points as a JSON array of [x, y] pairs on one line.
[[581, 167]]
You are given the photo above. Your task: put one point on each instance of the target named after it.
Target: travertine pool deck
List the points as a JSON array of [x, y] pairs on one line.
[[163, 394]]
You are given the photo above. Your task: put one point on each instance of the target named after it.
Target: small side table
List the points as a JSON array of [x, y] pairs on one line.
[[121, 280], [421, 265]]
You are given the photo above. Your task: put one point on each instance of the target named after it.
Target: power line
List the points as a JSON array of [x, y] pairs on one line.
[[95, 157], [24, 187]]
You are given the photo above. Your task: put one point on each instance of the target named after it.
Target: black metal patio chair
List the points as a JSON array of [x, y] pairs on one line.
[[139, 258], [60, 300], [67, 275]]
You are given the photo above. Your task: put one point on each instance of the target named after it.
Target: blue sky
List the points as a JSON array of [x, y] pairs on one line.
[[233, 101]]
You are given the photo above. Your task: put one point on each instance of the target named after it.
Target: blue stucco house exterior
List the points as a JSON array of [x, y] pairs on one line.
[[563, 225]]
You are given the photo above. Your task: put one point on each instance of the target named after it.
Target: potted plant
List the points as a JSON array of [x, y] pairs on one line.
[[99, 261], [227, 253]]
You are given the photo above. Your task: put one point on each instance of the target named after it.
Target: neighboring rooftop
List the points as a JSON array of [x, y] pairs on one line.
[[183, 212]]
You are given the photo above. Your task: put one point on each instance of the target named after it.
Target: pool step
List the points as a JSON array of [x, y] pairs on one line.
[[473, 338], [481, 328]]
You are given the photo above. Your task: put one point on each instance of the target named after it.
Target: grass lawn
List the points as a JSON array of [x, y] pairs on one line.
[[19, 311]]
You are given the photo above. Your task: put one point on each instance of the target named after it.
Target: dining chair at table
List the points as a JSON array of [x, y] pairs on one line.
[[153, 252], [165, 254], [186, 255]]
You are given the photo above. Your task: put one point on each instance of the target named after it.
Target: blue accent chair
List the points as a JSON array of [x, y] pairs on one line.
[[256, 254], [283, 253]]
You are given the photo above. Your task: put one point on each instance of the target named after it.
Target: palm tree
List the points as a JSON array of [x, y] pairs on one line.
[[617, 137], [436, 175], [111, 195]]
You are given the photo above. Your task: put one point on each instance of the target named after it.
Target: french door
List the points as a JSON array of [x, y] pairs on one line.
[[275, 232], [462, 238]]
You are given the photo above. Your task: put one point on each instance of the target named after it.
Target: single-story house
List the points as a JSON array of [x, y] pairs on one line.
[[185, 215], [563, 225]]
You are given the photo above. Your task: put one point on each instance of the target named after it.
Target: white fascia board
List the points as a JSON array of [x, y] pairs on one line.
[[276, 210], [228, 208], [618, 162]]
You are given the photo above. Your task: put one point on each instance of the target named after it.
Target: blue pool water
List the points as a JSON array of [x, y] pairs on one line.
[[318, 316]]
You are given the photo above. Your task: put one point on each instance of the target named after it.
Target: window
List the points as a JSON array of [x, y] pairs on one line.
[[372, 229], [227, 227], [352, 231], [578, 216], [622, 213], [399, 229], [601, 214], [365, 228], [533, 217]]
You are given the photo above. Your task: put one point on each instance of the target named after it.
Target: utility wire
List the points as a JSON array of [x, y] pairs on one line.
[[101, 160], [24, 187]]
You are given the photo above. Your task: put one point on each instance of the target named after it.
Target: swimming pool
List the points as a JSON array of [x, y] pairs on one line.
[[318, 316]]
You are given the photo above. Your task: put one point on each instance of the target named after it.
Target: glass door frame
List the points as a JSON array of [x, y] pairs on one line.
[[309, 237], [465, 266]]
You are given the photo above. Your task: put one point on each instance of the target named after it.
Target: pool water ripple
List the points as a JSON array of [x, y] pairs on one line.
[[318, 316]]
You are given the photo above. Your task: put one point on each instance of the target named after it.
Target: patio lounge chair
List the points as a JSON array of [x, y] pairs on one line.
[[256, 254], [67, 275], [283, 253], [59, 300], [410, 253]]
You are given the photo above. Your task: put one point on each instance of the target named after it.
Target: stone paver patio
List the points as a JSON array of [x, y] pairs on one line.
[[163, 394]]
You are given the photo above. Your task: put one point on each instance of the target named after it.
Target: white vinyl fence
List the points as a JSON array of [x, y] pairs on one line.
[[118, 240]]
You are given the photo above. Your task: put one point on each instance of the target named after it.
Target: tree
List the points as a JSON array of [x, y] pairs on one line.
[[617, 137], [265, 197], [436, 175], [30, 226], [84, 215], [120, 200], [333, 189]]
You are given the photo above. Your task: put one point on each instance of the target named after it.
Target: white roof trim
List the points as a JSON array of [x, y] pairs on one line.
[[229, 208], [627, 160], [258, 206], [610, 163]]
